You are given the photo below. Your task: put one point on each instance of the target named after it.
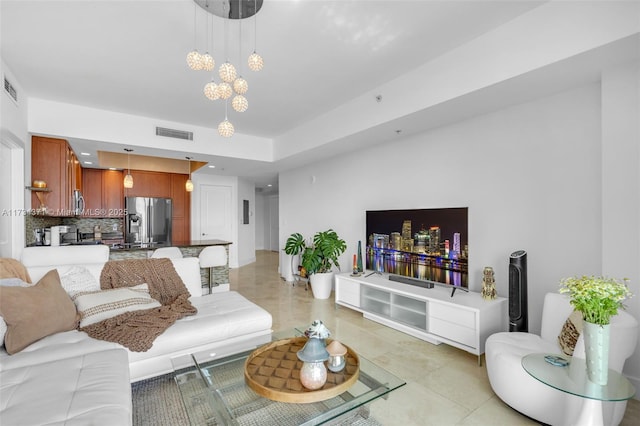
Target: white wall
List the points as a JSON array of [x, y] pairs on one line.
[[530, 175], [260, 221], [621, 186], [246, 233], [16, 173]]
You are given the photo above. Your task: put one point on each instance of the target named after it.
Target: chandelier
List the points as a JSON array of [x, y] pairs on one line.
[[231, 83]]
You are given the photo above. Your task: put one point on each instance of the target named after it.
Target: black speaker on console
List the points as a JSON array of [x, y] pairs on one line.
[[518, 312]]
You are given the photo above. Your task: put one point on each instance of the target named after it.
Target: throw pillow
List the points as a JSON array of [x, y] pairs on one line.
[[11, 268], [9, 282], [77, 279], [32, 313], [570, 333], [96, 306]]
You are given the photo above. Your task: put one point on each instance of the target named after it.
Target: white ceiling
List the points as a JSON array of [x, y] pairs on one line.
[[129, 56]]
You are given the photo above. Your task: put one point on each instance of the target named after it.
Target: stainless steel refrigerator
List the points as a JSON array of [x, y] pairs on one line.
[[148, 221]]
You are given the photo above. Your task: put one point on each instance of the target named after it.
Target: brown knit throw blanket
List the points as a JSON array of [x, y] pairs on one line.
[[137, 330]]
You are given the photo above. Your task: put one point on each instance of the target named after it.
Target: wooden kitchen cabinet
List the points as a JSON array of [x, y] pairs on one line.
[[103, 193], [92, 191], [113, 192], [150, 184], [53, 161], [181, 217]]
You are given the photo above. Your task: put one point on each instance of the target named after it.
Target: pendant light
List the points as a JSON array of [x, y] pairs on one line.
[[194, 58], [128, 179], [255, 61], [188, 186]]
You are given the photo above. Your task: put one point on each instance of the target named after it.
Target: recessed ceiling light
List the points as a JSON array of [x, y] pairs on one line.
[[269, 185], [85, 154], [87, 162], [212, 167]]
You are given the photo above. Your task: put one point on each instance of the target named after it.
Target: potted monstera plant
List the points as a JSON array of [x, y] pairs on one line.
[[318, 257]]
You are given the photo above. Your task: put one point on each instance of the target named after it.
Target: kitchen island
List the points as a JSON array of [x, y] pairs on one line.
[[189, 249]]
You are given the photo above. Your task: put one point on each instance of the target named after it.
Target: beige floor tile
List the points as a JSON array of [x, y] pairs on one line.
[[445, 386]]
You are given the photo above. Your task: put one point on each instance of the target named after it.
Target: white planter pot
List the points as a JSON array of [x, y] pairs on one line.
[[321, 285]]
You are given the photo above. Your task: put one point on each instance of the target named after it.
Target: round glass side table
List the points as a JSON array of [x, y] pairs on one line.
[[572, 379]]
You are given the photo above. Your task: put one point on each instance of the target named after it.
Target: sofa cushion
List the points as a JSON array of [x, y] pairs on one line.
[[86, 389], [96, 306], [78, 278], [32, 313]]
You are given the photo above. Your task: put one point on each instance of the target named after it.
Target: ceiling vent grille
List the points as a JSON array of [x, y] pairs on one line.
[[172, 133], [8, 87]]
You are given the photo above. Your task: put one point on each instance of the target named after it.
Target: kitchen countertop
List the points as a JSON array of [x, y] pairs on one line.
[[196, 243], [192, 243]]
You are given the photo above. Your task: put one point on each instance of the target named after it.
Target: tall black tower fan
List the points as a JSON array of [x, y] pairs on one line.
[[518, 312]]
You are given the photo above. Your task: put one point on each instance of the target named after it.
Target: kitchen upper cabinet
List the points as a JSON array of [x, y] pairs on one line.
[[53, 161], [113, 192], [181, 220], [103, 193], [92, 191], [149, 184]]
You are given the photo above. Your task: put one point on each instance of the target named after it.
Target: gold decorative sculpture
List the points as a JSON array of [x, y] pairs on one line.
[[488, 284]]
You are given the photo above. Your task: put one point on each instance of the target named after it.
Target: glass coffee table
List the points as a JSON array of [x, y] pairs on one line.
[[214, 392]]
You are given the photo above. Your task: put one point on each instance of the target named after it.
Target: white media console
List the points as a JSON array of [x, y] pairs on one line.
[[432, 314]]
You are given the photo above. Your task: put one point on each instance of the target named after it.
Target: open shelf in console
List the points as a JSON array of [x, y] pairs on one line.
[[376, 301]]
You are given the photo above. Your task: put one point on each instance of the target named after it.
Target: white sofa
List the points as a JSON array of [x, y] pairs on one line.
[[70, 378], [504, 352]]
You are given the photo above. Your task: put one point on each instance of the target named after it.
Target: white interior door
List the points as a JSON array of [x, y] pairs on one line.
[[215, 212]]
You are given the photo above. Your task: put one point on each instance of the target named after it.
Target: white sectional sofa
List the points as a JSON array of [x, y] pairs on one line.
[[70, 378]]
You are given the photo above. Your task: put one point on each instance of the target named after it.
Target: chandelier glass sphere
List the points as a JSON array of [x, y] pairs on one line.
[[227, 72], [194, 60], [225, 129], [208, 63], [240, 103], [211, 91], [224, 90], [255, 62], [240, 86]]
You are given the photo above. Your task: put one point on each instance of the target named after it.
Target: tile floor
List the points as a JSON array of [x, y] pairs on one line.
[[444, 386]]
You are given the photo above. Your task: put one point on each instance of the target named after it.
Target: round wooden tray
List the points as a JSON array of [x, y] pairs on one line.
[[273, 371]]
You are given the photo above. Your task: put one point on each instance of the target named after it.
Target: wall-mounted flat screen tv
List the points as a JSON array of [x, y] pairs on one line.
[[427, 244]]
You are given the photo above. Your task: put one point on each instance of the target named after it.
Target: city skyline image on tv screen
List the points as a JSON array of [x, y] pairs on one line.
[[428, 244]]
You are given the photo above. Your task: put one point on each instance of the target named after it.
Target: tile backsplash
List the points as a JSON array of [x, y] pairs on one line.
[[83, 224]]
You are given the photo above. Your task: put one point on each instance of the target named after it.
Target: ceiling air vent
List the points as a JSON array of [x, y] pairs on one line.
[[173, 133], [8, 87]]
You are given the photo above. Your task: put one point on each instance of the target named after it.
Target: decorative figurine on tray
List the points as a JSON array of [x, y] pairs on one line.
[[317, 330], [488, 284], [313, 374]]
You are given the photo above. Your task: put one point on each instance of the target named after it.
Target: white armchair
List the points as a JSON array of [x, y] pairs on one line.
[[504, 352]]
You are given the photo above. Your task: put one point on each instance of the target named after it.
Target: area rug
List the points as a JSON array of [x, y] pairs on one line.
[[157, 402]]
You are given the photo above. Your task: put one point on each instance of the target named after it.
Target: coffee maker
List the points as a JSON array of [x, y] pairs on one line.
[[68, 234], [39, 234]]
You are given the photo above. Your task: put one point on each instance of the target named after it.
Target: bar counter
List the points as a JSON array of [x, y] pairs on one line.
[[189, 249]]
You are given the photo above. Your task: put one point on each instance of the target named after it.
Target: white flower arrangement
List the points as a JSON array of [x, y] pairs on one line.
[[598, 298]]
